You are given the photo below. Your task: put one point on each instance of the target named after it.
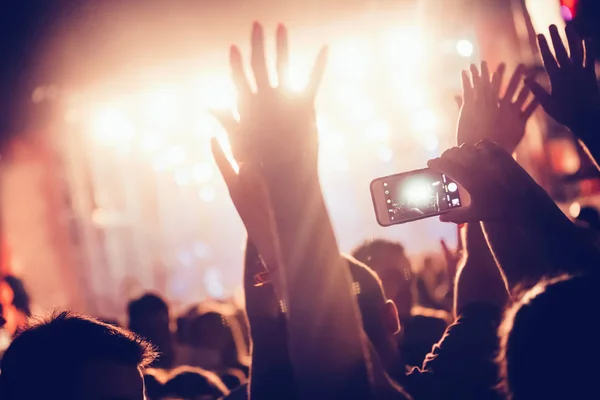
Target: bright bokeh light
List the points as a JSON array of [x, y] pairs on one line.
[[110, 126], [377, 114], [574, 209], [465, 48]]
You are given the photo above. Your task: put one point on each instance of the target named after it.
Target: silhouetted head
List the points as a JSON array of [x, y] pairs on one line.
[[390, 262], [549, 339], [149, 318], [379, 315], [73, 357], [194, 383]]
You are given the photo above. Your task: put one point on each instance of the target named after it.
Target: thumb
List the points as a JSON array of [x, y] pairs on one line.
[[539, 92], [458, 216], [459, 101], [225, 118], [225, 167]]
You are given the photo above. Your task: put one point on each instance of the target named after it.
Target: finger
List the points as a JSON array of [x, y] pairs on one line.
[[459, 237], [547, 56], [237, 71], [283, 56], [317, 73], [258, 61], [513, 84], [541, 94], [226, 119], [468, 93], [225, 167], [530, 109], [590, 59], [448, 255], [522, 97], [497, 81], [459, 101], [475, 76], [485, 73], [453, 169], [575, 46], [459, 216], [559, 48]]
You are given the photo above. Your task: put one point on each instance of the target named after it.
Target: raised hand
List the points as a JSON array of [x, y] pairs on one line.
[[277, 128], [485, 115], [500, 189], [572, 76], [252, 202]]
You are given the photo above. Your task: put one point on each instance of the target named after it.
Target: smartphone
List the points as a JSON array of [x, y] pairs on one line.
[[415, 195]]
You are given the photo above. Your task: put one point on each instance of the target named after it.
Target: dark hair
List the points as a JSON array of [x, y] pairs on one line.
[[139, 308], [189, 383], [43, 361], [549, 341], [368, 251]]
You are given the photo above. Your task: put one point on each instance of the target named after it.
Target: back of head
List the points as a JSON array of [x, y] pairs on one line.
[[149, 318], [548, 341], [388, 259], [148, 307], [193, 383], [48, 358]]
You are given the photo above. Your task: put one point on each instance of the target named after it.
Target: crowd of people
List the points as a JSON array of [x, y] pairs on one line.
[[510, 316]]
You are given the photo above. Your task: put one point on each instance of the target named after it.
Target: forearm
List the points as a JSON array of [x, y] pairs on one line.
[[324, 325], [542, 242], [478, 279], [271, 374]]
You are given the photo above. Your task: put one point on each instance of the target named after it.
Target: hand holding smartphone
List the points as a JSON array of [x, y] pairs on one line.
[[415, 195]]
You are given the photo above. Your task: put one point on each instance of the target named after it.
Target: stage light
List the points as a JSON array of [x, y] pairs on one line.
[[202, 172], [110, 126], [464, 48]]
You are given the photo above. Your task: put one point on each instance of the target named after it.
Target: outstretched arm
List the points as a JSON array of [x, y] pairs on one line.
[[276, 138]]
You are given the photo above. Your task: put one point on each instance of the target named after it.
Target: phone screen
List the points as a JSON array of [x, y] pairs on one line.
[[413, 195]]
